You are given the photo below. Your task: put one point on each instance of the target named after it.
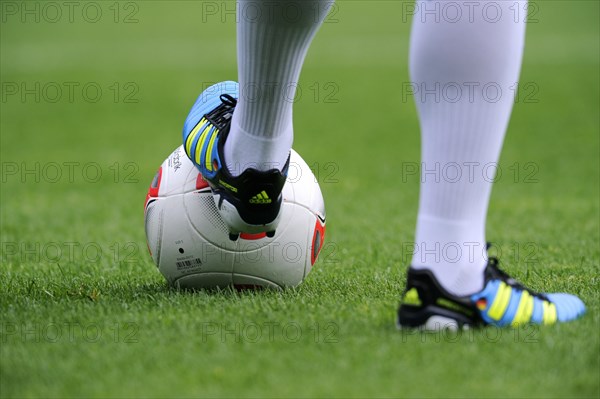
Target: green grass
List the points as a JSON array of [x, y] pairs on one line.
[[74, 260]]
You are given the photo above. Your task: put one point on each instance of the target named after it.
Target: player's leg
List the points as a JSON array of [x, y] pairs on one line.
[[240, 136], [465, 60], [271, 52], [464, 73]]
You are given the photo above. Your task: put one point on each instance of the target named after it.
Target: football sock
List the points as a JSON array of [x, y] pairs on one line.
[[272, 41], [464, 69]]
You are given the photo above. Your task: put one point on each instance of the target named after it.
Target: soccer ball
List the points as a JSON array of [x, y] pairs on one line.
[[190, 243]]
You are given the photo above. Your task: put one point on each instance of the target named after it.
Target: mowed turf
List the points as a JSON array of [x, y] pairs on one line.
[[84, 312]]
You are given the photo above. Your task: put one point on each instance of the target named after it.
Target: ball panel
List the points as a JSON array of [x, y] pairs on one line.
[[178, 174], [306, 188], [282, 259], [183, 250], [202, 214]]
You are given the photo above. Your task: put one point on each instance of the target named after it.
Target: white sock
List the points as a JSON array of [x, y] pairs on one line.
[[273, 38], [462, 131]]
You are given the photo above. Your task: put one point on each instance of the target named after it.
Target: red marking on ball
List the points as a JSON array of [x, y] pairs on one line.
[[200, 182], [248, 236]]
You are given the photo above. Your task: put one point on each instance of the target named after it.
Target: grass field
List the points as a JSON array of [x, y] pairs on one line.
[[84, 311]]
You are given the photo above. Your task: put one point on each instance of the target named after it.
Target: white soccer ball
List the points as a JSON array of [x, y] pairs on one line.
[[190, 243]]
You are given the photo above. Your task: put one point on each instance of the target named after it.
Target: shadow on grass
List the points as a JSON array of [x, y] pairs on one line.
[[69, 283]]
